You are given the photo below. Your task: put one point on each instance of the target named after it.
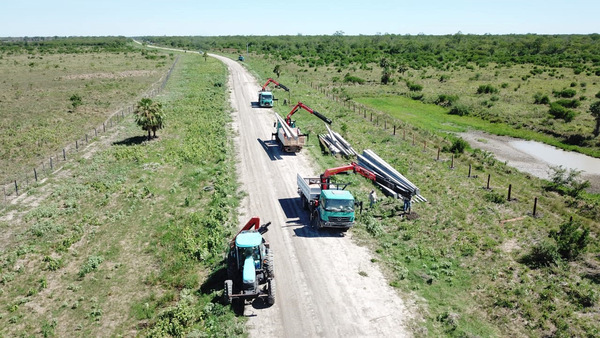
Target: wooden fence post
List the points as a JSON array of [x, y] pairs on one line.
[[509, 191], [64, 154], [35, 174], [16, 188], [469, 171], [394, 130], [438, 155], [51, 166], [535, 207], [452, 162], [488, 181]]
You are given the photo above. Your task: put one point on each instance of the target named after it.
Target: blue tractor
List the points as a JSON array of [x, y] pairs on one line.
[[250, 273]]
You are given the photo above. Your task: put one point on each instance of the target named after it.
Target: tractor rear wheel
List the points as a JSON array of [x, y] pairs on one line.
[[228, 291], [271, 296]]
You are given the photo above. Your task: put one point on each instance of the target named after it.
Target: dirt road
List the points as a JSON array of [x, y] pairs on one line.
[[319, 289]]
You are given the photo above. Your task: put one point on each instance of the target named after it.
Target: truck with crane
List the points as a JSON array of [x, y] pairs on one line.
[[250, 272], [329, 205], [265, 98], [288, 135]]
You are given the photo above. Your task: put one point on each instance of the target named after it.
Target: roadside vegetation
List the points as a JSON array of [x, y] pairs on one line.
[[481, 264], [54, 90], [497, 80], [130, 241]]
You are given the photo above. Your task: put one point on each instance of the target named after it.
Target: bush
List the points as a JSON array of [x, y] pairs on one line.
[[487, 89], [539, 98], [560, 112], [353, 79], [445, 100], [565, 93], [414, 87], [568, 103], [460, 110], [572, 239], [566, 182], [494, 197], [542, 254], [458, 146]]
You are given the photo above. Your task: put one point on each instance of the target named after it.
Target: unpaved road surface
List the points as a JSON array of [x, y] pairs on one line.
[[320, 292], [503, 149]]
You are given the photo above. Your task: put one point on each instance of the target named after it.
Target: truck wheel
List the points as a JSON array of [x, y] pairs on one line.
[[314, 221], [228, 291], [271, 296], [270, 265]]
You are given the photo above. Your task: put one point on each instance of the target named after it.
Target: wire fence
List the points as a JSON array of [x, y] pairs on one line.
[[55, 161], [427, 141]]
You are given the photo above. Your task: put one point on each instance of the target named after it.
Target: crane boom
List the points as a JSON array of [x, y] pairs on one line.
[[277, 84], [358, 169], [288, 118]]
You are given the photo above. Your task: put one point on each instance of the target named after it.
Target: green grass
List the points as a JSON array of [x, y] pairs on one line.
[[435, 118], [131, 240], [466, 268], [38, 117]]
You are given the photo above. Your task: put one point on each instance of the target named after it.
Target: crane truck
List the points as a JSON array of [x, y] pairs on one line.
[[288, 135], [329, 205], [265, 98], [250, 272]]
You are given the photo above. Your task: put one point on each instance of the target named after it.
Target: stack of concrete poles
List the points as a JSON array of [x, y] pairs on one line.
[[381, 168]]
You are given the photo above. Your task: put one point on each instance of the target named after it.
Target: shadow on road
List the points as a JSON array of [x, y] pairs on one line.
[[271, 148], [299, 218]]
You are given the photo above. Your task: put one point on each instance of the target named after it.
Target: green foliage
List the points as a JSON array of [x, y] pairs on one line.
[[353, 79], [414, 87], [149, 115], [560, 112], [446, 100], [572, 239], [566, 182], [53, 264], [540, 98], [494, 197], [76, 101], [277, 70], [595, 111], [542, 254], [460, 110], [92, 263], [565, 93], [458, 146], [487, 89], [568, 103]]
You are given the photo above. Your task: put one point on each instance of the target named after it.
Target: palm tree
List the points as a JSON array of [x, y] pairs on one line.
[[149, 115]]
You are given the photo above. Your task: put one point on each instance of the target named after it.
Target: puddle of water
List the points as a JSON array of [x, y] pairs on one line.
[[556, 157]]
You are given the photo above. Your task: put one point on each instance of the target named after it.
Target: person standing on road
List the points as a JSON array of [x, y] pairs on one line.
[[372, 198]]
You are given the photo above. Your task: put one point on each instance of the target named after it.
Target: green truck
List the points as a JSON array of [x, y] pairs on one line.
[[328, 208]]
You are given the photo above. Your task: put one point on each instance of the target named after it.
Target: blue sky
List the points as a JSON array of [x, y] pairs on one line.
[[309, 17]]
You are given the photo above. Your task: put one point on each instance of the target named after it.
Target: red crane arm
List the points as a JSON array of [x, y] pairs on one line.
[[354, 167], [264, 87], [288, 118]]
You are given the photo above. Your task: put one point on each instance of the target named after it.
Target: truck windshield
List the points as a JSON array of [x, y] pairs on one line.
[[339, 205], [266, 97]]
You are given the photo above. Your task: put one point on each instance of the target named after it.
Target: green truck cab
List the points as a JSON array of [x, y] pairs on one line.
[[329, 208], [265, 99]]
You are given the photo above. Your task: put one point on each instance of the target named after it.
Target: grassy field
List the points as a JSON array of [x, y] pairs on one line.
[[510, 110], [130, 241], [38, 98], [477, 264]]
